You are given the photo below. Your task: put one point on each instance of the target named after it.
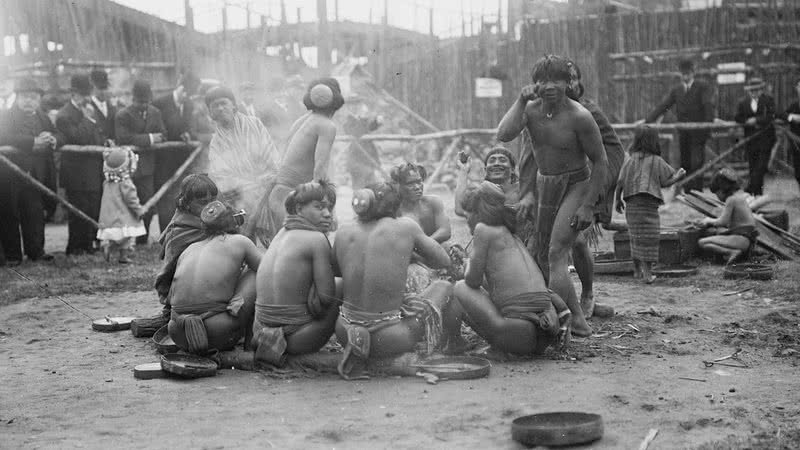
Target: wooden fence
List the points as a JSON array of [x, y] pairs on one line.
[[628, 61]]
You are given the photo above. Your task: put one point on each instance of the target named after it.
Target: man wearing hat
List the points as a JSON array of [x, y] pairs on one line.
[[105, 111], [26, 126], [756, 112], [81, 174], [177, 111], [691, 101], [140, 124]]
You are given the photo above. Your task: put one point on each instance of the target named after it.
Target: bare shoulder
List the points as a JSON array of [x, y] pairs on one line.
[[433, 200], [486, 232], [407, 224]]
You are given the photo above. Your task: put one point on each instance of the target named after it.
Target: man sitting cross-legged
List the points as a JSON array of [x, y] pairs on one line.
[[377, 318], [503, 296], [212, 299], [296, 309]]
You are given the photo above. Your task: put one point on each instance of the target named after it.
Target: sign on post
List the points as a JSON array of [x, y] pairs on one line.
[[488, 88]]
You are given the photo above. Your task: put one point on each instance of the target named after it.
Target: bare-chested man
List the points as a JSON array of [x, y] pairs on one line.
[[296, 309], [503, 296], [212, 298], [377, 317], [564, 135], [500, 167], [309, 149], [426, 210]]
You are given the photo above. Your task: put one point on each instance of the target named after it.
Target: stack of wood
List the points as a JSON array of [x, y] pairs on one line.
[[771, 238]]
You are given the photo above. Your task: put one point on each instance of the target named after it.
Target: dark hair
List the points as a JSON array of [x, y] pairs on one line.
[[500, 150], [338, 100], [218, 92], [645, 140], [190, 82], [551, 67], [686, 65], [575, 75], [308, 192], [725, 181], [486, 204], [384, 202], [197, 185], [400, 173]]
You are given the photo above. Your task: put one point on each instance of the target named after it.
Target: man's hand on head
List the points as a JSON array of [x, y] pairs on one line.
[[529, 93]]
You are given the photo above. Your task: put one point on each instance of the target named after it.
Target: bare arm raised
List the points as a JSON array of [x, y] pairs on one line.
[[322, 152], [514, 120]]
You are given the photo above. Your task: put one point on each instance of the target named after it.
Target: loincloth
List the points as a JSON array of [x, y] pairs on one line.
[[189, 320], [550, 193], [535, 307], [748, 231], [272, 325]]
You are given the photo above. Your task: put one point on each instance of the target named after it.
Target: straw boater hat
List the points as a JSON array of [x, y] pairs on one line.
[[754, 83]]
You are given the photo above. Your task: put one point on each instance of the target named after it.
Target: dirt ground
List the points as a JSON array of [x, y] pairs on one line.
[[67, 386]]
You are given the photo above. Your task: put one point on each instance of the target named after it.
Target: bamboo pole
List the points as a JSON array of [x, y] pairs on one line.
[[45, 190], [719, 158], [173, 179]]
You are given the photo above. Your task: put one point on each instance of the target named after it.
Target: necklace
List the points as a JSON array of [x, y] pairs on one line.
[[549, 115]]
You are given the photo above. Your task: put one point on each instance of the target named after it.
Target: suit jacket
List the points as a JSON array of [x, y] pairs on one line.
[[175, 122], [14, 132], [694, 105], [106, 122], [80, 171], [133, 129], [794, 108], [764, 114]]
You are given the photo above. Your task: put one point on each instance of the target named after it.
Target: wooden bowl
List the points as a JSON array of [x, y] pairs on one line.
[[112, 324], [557, 428], [747, 270], [675, 271], [456, 367], [164, 344], [188, 366]]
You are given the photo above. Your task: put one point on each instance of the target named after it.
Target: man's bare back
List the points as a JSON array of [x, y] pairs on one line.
[[294, 261], [209, 270], [308, 152], [374, 259]]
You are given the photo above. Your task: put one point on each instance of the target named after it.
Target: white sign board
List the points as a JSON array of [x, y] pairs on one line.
[[731, 67], [730, 78], [488, 88]]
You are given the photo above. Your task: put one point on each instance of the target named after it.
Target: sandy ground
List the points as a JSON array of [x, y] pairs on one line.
[[66, 386]]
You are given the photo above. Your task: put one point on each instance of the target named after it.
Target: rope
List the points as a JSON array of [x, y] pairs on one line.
[[46, 289]]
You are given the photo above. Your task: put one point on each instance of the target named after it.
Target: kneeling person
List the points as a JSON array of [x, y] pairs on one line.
[[212, 298], [516, 313], [378, 318], [296, 308]]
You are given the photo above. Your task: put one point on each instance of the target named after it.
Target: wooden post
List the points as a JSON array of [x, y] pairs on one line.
[[336, 10], [247, 11], [430, 21], [382, 44], [323, 37], [188, 15], [283, 12]]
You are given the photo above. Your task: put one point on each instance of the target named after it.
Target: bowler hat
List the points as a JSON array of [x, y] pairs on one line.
[[141, 91], [754, 83], [80, 84], [27, 85], [99, 78]]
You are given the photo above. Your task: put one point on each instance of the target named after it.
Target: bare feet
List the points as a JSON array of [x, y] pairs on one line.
[[587, 304], [579, 326], [734, 257]]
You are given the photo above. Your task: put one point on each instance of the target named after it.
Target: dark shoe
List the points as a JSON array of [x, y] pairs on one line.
[[12, 263], [43, 257]]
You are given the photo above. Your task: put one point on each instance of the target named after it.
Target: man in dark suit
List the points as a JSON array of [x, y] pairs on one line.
[[756, 112], [140, 124], [81, 174], [792, 117], [692, 101], [26, 126], [177, 112], [101, 100]]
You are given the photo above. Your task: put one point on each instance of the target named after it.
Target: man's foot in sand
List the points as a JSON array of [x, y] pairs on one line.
[[579, 327], [587, 304]]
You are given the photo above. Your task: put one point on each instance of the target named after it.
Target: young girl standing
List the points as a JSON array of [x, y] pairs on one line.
[[120, 210], [641, 178]]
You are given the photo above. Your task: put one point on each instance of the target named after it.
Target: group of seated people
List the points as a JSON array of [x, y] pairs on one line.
[[291, 299]]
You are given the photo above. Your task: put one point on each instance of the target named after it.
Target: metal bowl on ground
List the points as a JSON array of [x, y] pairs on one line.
[[188, 366], [164, 344], [613, 266], [675, 271], [108, 323], [748, 271], [557, 428], [456, 367]]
